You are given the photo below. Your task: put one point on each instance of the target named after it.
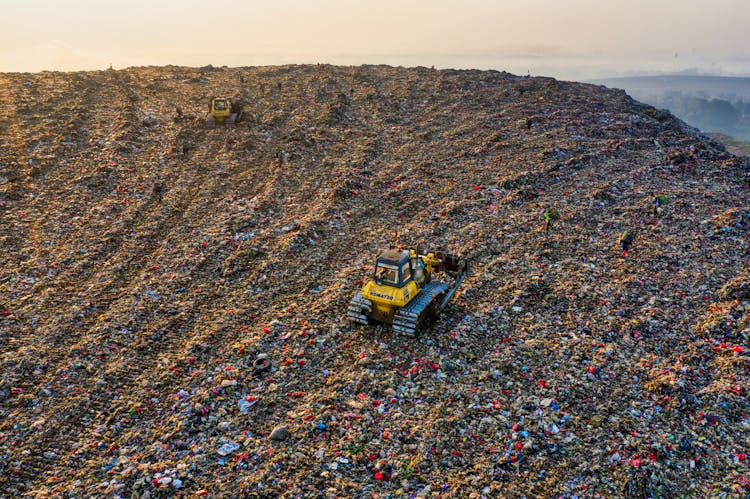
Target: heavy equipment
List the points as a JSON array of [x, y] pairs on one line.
[[222, 110], [403, 293]]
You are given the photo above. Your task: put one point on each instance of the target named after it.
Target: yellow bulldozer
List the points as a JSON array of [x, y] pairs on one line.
[[403, 293], [223, 111]]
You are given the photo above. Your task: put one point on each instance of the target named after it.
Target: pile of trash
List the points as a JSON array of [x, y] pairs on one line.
[[173, 298]]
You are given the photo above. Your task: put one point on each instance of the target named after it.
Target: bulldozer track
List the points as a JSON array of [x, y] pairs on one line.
[[409, 318], [359, 308]]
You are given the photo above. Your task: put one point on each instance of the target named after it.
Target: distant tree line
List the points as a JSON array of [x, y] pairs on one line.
[[707, 114]]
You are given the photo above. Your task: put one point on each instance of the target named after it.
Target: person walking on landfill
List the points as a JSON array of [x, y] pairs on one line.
[[158, 191], [550, 215], [626, 239], [659, 200]]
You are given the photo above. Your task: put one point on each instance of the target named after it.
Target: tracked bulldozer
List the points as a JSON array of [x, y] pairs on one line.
[[403, 292], [223, 111]]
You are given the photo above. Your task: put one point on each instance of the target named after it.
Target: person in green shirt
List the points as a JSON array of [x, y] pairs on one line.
[[659, 200], [550, 215]]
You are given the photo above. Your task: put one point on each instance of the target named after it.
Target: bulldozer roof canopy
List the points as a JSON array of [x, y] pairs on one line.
[[394, 255]]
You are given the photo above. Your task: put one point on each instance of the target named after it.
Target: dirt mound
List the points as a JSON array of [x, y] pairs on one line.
[[173, 298]]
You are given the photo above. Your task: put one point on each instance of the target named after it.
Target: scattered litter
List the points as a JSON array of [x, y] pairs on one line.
[[192, 339]]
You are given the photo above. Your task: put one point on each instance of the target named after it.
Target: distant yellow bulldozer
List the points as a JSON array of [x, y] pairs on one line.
[[221, 110], [403, 293]]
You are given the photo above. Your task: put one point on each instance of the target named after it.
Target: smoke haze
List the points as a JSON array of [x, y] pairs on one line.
[[576, 39]]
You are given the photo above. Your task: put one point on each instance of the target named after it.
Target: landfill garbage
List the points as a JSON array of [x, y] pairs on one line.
[[244, 404], [150, 263], [279, 433], [227, 448], [261, 363]]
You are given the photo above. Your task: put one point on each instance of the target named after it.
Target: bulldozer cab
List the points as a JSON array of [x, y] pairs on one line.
[[392, 268], [220, 107], [396, 268]]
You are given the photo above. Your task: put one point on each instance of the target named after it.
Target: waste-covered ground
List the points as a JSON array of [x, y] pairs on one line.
[[147, 261]]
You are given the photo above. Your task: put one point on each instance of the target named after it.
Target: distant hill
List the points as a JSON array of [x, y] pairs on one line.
[[147, 262], [710, 103], [737, 147], [710, 87]]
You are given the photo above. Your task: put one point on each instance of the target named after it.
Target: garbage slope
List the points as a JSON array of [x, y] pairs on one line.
[[147, 261]]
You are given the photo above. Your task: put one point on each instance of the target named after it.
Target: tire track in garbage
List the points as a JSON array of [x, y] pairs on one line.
[[87, 329], [20, 139], [169, 334], [92, 105], [150, 326], [21, 115], [123, 378], [35, 223], [76, 339]]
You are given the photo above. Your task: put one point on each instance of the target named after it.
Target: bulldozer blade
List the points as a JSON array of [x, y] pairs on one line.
[[453, 263]]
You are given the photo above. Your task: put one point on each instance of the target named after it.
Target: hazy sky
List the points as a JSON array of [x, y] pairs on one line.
[[568, 39]]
